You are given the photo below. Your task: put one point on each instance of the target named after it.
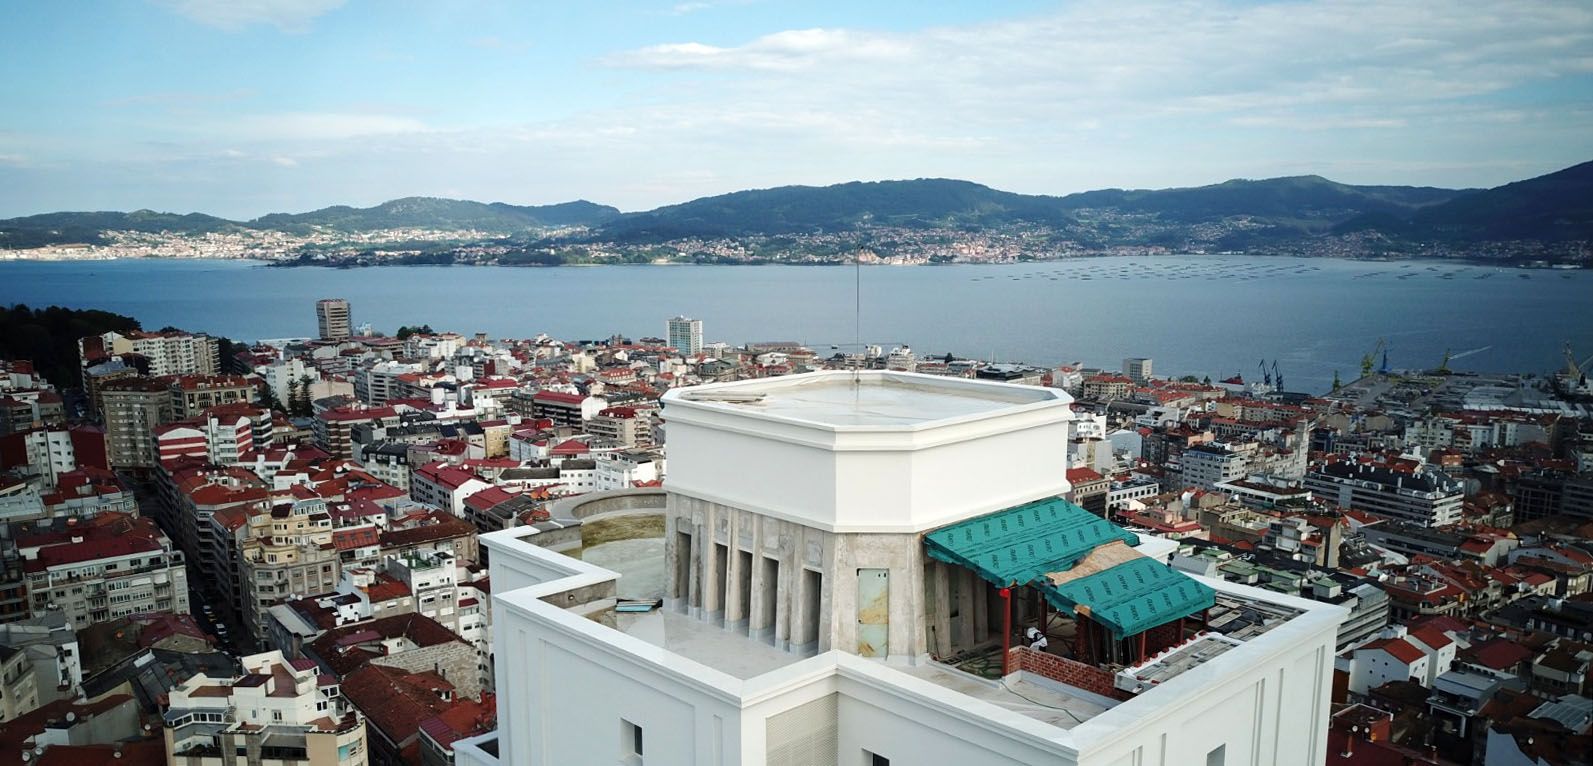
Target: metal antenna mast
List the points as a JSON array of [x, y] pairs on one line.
[[857, 312]]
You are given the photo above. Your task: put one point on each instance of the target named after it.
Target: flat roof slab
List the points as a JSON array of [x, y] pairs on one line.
[[724, 650], [1038, 699], [869, 399]]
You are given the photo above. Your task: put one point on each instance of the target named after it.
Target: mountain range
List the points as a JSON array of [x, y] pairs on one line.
[[1557, 207]]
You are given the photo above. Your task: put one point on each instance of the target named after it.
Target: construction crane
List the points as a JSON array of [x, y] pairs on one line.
[[1266, 377], [1573, 370], [1371, 357], [1277, 376]]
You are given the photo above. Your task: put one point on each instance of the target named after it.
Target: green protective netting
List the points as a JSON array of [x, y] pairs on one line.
[[1039, 543], [1132, 597], [1019, 544]]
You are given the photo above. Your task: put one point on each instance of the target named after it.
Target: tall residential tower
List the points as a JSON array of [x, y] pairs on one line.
[[332, 318], [685, 335]]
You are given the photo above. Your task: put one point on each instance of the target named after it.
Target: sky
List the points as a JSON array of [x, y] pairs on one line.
[[244, 107]]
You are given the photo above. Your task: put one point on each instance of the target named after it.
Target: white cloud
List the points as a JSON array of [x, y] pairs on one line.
[[1107, 58], [789, 50], [1094, 93], [313, 127], [285, 162], [232, 15]]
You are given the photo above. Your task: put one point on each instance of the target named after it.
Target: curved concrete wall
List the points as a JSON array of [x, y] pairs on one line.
[[586, 506]]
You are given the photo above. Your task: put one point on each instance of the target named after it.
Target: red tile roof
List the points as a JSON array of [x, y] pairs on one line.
[[340, 650], [1083, 475], [444, 475], [1431, 636], [385, 588], [440, 526], [1499, 654], [350, 538], [1399, 648], [465, 718], [354, 415], [488, 498], [557, 397], [113, 535], [394, 701]]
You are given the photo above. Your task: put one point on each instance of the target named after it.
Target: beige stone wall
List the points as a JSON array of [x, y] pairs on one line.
[[707, 579]]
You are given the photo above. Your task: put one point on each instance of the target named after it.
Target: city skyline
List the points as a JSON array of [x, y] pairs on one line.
[[240, 109]]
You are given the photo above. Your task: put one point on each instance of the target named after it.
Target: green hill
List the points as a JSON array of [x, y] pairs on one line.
[[1554, 207], [437, 213], [809, 209], [1247, 213], [1303, 198], [88, 228]]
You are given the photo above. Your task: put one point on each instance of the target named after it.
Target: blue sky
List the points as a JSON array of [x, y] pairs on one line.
[[243, 107]]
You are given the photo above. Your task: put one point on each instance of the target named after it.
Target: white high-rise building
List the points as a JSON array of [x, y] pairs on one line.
[[852, 566], [1138, 368], [685, 335]]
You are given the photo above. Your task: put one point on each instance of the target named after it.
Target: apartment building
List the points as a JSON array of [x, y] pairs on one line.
[[622, 425], [1207, 465], [566, 409], [44, 455], [286, 554], [277, 712], [332, 320], [191, 395], [99, 569], [684, 335], [131, 410], [334, 427], [1426, 497], [166, 353]]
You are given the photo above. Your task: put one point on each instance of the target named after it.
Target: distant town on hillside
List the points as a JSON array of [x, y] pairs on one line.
[[1540, 221]]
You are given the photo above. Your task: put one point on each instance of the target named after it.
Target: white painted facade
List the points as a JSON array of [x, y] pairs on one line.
[[576, 680], [1373, 667], [929, 464], [566, 682]]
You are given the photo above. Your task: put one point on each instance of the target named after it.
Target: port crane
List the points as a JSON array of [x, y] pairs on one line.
[[1368, 361], [1276, 375], [1573, 369]]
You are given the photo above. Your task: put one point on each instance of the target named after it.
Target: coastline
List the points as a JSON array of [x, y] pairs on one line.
[[12, 256]]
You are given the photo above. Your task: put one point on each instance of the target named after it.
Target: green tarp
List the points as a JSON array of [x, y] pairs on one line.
[[1039, 543]]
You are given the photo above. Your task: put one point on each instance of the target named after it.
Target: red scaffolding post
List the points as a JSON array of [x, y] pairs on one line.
[[1006, 630]]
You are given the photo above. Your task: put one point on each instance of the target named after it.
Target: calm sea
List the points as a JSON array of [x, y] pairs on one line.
[[1198, 315]]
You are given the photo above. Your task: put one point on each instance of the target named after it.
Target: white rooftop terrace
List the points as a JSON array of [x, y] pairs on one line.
[[638, 568], [723, 650], [866, 399], [547, 609]]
